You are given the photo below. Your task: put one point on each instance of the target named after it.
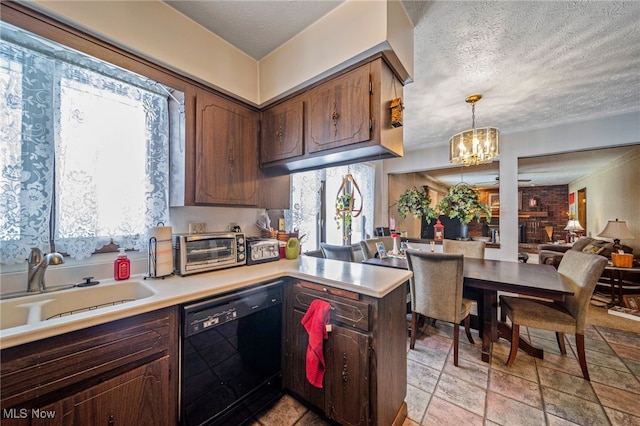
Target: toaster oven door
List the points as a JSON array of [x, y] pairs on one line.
[[209, 251]]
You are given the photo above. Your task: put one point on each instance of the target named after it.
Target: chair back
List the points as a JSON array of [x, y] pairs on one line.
[[436, 286], [473, 249], [369, 248], [582, 271], [344, 253]]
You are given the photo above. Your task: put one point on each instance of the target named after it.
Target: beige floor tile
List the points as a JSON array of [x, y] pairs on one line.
[[567, 383], [506, 384], [507, 411], [619, 418], [618, 399], [461, 393], [574, 409], [441, 412]]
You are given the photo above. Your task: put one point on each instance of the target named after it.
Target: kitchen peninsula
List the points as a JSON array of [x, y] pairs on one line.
[[355, 291]]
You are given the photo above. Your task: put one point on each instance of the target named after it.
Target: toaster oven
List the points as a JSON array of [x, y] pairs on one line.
[[207, 252]]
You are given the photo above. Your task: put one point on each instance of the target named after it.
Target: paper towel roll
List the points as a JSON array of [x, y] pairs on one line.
[[160, 251]]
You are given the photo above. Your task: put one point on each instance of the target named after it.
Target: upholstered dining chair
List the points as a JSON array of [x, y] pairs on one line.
[[436, 292], [581, 271], [344, 253], [369, 248], [473, 249]]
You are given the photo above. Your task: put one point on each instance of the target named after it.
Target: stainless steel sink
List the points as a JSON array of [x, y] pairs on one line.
[[31, 309]]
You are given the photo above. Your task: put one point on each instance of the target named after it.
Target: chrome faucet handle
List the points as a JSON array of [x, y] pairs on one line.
[[35, 256]]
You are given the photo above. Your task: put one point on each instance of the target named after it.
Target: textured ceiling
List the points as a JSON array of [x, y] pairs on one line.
[[536, 63]]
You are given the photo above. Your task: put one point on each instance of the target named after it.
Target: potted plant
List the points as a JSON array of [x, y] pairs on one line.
[[344, 210], [462, 203], [416, 201]]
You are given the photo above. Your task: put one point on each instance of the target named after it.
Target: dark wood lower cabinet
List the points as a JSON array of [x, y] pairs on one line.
[[365, 355], [120, 373], [138, 397], [347, 376]]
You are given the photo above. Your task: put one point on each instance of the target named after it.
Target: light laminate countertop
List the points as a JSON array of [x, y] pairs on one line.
[[365, 279]]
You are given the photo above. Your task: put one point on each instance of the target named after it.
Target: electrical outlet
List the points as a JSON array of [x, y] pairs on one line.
[[197, 228]]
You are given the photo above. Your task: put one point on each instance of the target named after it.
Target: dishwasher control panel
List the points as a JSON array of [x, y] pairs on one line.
[[200, 316]]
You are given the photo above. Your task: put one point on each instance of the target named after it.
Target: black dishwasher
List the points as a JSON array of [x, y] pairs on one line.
[[230, 356]]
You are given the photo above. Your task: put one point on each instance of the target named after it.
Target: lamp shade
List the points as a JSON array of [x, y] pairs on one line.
[[616, 229], [573, 225]]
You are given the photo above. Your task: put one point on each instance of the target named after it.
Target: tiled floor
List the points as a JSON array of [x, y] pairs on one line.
[[531, 392]]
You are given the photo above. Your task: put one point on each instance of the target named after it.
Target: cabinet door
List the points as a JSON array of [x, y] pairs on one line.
[[281, 133], [138, 397], [347, 377], [294, 371], [226, 152], [339, 111]]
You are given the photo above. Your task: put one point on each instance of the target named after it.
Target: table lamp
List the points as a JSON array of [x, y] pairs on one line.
[[572, 226], [616, 229]]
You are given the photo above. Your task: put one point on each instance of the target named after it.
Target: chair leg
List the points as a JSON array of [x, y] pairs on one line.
[[561, 344], [414, 329], [456, 338], [467, 329], [515, 340], [581, 356]]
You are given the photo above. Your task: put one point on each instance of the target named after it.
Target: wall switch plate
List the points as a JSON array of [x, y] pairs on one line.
[[197, 228]]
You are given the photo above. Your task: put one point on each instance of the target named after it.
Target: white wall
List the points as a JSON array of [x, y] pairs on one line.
[[605, 132], [614, 193], [351, 32]]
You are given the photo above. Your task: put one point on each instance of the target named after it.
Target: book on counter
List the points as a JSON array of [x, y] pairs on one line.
[[631, 314]]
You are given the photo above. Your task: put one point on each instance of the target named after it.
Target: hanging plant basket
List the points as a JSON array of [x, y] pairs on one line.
[[462, 203], [346, 208], [416, 201]]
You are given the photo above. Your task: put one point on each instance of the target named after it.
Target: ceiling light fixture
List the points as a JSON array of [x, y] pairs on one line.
[[474, 146]]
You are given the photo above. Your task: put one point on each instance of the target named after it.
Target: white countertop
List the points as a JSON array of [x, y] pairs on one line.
[[365, 279]]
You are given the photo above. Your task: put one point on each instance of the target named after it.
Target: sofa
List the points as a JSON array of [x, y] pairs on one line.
[[551, 254]]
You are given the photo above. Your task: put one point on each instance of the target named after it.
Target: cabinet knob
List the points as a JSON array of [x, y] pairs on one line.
[[112, 421]]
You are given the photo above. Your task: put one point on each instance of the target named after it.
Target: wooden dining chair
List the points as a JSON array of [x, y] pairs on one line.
[[344, 253], [581, 271], [436, 292], [474, 249]]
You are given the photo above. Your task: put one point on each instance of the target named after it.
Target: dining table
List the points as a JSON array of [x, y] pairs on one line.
[[484, 278]]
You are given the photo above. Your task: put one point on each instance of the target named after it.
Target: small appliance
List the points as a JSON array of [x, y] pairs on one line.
[[207, 252], [260, 250]]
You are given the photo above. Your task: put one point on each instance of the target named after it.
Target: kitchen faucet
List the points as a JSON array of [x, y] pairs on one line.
[[37, 267]]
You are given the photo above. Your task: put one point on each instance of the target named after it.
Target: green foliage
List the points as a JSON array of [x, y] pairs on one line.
[[416, 201], [344, 208], [462, 203]]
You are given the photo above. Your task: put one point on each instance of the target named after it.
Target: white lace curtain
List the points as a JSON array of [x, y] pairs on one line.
[[306, 202], [81, 139]]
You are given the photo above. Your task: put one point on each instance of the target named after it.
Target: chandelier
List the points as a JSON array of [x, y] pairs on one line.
[[474, 146]]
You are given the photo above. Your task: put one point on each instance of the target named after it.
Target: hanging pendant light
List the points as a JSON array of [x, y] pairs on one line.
[[474, 146]]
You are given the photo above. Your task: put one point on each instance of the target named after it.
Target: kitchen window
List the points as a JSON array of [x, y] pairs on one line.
[[313, 196], [84, 154]]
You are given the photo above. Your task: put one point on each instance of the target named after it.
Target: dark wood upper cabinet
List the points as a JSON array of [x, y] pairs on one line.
[[339, 112], [281, 134], [226, 148], [346, 119]]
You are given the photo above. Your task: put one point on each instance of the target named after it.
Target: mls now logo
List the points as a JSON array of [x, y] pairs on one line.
[[23, 413]]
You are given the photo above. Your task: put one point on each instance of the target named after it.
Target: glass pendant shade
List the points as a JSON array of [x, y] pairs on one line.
[[474, 146]]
